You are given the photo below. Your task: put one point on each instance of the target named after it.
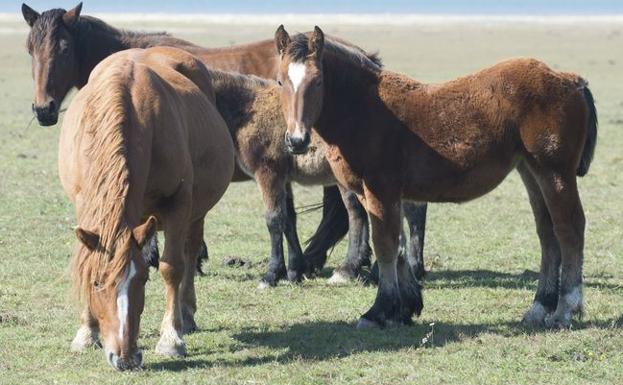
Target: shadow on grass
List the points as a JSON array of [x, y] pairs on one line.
[[458, 279], [322, 340]]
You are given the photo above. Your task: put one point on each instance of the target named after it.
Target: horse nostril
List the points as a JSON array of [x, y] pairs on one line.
[[32, 107], [51, 106]]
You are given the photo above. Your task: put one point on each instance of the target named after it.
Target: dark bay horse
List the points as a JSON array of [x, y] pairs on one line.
[[142, 138], [391, 137], [65, 47]]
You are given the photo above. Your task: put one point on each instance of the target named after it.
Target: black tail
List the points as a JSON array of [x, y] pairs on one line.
[[591, 135], [332, 228]]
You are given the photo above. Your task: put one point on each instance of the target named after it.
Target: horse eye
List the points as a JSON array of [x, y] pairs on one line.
[[318, 82], [279, 82]]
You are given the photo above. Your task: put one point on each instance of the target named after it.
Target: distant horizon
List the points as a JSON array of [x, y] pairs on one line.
[[447, 7]]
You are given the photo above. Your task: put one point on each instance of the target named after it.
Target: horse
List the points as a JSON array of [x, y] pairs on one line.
[[391, 137], [65, 47], [143, 139]]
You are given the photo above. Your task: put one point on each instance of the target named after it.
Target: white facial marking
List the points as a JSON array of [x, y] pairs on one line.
[[296, 73], [122, 299]]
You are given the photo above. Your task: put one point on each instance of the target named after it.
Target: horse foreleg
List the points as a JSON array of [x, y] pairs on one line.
[[87, 335], [297, 266], [385, 219], [274, 195]]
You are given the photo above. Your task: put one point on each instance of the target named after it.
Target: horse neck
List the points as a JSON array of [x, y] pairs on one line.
[[98, 40], [237, 96], [347, 87]]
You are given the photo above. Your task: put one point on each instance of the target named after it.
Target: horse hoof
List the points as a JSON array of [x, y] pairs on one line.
[[338, 278], [557, 321], [263, 285], [171, 349], [365, 323], [535, 316], [84, 340], [294, 276], [190, 326]]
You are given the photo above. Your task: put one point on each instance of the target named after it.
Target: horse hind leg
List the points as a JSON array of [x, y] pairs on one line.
[[563, 201], [415, 214], [546, 297], [187, 287]]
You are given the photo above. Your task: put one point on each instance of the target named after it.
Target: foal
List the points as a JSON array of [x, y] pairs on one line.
[[142, 138], [391, 137]]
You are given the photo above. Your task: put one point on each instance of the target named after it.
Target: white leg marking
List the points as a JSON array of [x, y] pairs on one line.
[[122, 299], [296, 73], [574, 299]]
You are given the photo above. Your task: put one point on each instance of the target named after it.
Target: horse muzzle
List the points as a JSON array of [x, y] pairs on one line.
[[297, 144], [46, 113], [125, 363]]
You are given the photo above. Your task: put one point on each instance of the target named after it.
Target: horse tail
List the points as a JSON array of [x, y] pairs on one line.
[[591, 136], [332, 228]]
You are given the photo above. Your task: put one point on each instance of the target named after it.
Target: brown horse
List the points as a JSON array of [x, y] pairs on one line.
[[65, 47], [143, 137], [391, 137]]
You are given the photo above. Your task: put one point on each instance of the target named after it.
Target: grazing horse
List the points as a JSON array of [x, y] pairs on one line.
[[142, 138], [391, 137], [65, 47]]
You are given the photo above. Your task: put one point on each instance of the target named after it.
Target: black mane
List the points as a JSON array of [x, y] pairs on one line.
[[298, 50]]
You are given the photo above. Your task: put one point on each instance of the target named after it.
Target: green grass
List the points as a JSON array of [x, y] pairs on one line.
[[484, 254]]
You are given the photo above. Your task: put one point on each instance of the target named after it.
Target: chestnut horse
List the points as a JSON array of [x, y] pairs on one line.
[[65, 46], [142, 138], [391, 137]]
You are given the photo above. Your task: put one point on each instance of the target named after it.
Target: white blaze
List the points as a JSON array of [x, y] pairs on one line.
[[122, 299], [296, 73]]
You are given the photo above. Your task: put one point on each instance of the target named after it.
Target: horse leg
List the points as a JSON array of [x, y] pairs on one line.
[[385, 220], [297, 266], [563, 201], [172, 268], [358, 252], [415, 214], [189, 298], [274, 195], [546, 297], [88, 333]]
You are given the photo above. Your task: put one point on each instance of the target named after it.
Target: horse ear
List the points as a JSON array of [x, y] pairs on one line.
[[71, 17], [88, 238], [316, 42], [30, 15], [144, 232], [282, 39]]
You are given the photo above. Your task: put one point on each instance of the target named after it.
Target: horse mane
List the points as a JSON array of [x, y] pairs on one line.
[[106, 184], [298, 50], [50, 21]]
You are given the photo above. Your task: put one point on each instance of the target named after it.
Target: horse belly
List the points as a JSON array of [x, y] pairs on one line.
[[452, 185]]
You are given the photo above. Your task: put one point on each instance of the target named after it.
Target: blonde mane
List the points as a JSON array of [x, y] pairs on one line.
[[106, 182]]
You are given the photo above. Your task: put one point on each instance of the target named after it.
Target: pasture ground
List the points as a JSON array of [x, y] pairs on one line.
[[484, 255]]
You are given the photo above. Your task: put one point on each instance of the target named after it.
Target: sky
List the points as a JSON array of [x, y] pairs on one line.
[[495, 7]]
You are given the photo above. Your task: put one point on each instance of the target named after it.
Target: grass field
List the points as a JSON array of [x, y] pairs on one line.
[[484, 255]]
